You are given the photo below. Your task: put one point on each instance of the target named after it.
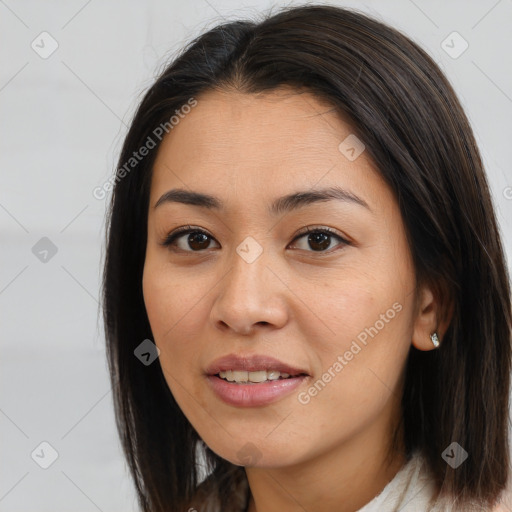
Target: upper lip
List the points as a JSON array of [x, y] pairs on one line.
[[251, 363]]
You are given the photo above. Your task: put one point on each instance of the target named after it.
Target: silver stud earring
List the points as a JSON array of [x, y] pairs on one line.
[[435, 339]]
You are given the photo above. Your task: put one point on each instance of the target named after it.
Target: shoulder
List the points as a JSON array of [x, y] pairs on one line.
[[413, 489]]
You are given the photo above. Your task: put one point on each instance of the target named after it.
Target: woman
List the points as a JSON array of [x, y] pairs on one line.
[[302, 225]]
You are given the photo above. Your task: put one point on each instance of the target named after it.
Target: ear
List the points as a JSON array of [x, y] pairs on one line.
[[432, 315]]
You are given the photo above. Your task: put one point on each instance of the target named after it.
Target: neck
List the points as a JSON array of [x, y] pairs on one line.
[[342, 478]]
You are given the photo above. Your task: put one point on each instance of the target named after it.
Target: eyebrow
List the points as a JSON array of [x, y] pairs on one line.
[[281, 205]]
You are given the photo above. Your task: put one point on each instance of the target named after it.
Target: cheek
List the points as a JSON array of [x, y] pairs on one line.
[[369, 319], [360, 370], [157, 300], [175, 313], [166, 307], [170, 300]]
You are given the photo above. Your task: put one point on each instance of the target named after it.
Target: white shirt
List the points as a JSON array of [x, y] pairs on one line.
[[411, 490]]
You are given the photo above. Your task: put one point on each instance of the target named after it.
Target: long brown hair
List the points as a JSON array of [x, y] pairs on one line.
[[408, 116]]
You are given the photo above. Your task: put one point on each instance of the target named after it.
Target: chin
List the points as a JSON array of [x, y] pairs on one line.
[[254, 454]]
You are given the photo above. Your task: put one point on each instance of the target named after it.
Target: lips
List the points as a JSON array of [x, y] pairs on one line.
[[252, 363]]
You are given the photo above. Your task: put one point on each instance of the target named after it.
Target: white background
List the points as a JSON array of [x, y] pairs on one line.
[[62, 123]]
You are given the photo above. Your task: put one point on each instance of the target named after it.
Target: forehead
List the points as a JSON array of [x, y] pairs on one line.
[[230, 119], [259, 144]]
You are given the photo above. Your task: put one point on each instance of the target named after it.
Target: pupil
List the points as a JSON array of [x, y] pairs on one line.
[[314, 238], [199, 238]]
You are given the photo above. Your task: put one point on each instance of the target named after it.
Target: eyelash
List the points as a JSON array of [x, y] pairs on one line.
[[171, 237]]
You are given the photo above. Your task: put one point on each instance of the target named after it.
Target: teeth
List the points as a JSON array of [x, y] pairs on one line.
[[240, 376], [258, 376]]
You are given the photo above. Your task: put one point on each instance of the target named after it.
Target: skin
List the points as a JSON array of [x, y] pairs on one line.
[[300, 305]]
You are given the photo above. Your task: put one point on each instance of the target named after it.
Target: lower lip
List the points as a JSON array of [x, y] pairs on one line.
[[254, 394]]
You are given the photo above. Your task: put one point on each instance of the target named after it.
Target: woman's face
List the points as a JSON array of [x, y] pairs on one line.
[[339, 307]]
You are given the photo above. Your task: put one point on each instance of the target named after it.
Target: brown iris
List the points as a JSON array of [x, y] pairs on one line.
[[321, 239], [198, 241]]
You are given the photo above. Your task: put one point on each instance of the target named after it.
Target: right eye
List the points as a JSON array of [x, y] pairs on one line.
[[197, 239]]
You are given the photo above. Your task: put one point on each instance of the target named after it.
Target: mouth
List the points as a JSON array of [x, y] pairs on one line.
[[253, 368], [253, 380]]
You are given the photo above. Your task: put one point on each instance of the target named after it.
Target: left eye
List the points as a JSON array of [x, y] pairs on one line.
[[318, 239]]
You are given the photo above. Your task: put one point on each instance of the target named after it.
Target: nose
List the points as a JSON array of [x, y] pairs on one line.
[[250, 296]]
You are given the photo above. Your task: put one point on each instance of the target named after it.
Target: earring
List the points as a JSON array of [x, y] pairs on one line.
[[435, 339]]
